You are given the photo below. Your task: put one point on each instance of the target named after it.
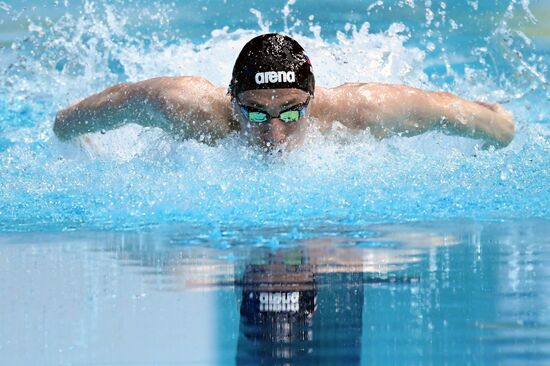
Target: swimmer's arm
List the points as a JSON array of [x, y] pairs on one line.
[[186, 106], [106, 110], [396, 109], [451, 114]]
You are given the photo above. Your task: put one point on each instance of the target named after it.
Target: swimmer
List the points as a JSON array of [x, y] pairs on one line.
[[273, 100]]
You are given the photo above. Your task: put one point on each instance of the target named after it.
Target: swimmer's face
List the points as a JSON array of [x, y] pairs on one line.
[[274, 131]]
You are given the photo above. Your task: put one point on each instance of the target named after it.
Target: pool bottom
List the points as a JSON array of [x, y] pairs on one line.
[[446, 292]]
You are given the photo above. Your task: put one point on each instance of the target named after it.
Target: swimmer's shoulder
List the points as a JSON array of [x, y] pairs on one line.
[[355, 105], [369, 95], [329, 101], [178, 86], [192, 104]]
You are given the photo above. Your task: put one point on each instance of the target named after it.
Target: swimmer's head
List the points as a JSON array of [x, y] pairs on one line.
[[272, 61], [271, 87]]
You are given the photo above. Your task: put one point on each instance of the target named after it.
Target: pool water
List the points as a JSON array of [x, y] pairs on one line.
[[129, 247], [133, 178], [430, 293]]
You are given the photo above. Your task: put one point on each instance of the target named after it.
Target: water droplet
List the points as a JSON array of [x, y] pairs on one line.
[[454, 25], [504, 175]]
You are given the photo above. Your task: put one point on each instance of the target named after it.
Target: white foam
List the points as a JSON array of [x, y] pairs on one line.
[[136, 175]]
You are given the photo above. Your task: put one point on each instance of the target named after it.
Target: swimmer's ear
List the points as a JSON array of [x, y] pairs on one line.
[[231, 88], [234, 107]]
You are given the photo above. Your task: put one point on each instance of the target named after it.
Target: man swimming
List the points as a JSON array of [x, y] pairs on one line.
[[273, 100]]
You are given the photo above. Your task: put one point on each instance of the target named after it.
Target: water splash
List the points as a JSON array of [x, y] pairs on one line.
[[134, 177]]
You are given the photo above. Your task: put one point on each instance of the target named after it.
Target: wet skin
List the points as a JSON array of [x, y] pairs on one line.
[[191, 107]]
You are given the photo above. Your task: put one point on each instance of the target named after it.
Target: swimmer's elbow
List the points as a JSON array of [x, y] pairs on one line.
[[509, 131], [501, 139]]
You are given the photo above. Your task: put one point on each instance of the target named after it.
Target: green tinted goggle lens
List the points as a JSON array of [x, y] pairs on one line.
[[288, 116], [257, 116]]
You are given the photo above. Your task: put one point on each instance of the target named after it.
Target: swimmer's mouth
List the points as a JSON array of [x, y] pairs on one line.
[[268, 142], [270, 146]]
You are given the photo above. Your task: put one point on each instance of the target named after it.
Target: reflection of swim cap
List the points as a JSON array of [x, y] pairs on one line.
[[272, 61], [273, 291]]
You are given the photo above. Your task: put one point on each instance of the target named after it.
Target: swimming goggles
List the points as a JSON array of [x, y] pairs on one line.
[[293, 114]]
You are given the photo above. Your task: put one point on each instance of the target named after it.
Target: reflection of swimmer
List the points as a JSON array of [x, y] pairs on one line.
[[287, 319], [380, 251], [271, 97], [278, 303]]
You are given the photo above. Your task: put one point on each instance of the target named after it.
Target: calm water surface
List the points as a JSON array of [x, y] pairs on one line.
[[454, 293]]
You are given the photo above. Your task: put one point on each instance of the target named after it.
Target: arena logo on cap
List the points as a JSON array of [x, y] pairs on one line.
[[275, 77]]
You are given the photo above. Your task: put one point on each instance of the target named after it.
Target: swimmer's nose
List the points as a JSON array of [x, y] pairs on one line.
[[277, 131]]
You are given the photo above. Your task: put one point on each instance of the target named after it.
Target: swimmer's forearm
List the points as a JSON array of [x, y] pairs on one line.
[[489, 122], [98, 112], [120, 104]]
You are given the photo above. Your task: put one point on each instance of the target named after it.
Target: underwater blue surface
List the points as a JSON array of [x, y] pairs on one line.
[[129, 247]]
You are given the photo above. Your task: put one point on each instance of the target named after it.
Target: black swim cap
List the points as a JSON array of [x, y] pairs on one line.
[[272, 61]]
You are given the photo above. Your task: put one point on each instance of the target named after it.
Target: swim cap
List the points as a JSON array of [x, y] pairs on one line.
[[272, 61]]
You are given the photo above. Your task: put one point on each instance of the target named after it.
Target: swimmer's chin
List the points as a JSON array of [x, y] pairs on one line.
[[282, 147], [273, 148]]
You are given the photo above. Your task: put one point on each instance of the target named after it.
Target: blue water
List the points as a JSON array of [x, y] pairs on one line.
[[132, 248], [435, 293], [133, 178]]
